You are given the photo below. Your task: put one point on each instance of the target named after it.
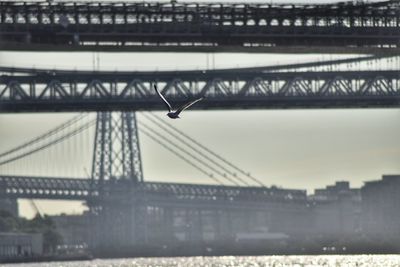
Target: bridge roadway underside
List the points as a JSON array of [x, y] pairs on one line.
[[184, 27], [108, 91]]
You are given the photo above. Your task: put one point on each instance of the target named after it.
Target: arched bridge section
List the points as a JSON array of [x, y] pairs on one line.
[[352, 27]]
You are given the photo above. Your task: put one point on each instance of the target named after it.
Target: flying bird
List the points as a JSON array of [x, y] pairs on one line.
[[175, 114]]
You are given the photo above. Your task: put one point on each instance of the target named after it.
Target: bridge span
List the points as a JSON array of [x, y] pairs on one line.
[[352, 27], [155, 192], [232, 89], [126, 213]]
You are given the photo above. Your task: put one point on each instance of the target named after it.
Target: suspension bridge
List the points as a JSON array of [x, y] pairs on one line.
[[123, 206], [126, 212]]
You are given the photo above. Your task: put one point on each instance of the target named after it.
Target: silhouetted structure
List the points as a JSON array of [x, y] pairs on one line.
[[10, 205], [336, 211], [74, 229], [129, 216], [381, 202], [226, 89], [356, 27], [20, 245]]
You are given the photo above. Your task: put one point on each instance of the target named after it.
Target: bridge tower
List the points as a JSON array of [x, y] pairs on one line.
[[116, 148], [118, 216]]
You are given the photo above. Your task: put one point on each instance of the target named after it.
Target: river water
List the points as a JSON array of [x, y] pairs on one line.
[[235, 261]]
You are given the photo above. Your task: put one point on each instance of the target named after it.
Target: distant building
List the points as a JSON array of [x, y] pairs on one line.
[[17, 245], [336, 210], [339, 190], [380, 206]]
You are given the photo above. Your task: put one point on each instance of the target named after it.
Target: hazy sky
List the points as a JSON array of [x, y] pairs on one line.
[[304, 149]]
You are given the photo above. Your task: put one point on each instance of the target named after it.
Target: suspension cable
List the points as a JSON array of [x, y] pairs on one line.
[[196, 150], [45, 135], [319, 63], [179, 155], [210, 151], [189, 154], [323, 63], [56, 141]]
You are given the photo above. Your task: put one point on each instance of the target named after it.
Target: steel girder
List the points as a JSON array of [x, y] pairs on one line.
[[223, 90], [343, 27], [162, 194], [45, 188]]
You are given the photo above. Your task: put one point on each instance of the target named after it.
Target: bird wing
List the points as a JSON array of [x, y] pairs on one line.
[[163, 98], [187, 105]]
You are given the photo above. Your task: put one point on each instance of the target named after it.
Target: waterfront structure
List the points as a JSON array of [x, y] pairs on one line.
[[128, 214], [336, 210], [74, 229], [20, 245], [381, 202]]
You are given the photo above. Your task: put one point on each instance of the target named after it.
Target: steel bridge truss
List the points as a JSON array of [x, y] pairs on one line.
[[163, 194], [45, 188], [223, 90], [343, 27]]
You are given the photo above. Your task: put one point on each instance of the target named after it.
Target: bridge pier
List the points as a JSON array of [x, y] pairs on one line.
[[120, 213], [119, 221]]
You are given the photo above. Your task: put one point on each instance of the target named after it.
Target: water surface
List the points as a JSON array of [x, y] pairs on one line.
[[234, 261]]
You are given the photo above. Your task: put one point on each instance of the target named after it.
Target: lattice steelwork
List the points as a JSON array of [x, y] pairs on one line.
[[116, 152], [349, 27], [47, 188], [223, 90], [162, 194]]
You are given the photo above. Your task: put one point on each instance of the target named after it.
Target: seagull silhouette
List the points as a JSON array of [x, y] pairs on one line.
[[175, 114]]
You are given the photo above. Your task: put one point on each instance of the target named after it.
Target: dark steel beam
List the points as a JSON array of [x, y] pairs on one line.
[[337, 28], [223, 90], [166, 194], [45, 188]]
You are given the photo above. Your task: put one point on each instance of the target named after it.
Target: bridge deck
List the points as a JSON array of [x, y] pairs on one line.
[[223, 90], [343, 27], [153, 192]]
